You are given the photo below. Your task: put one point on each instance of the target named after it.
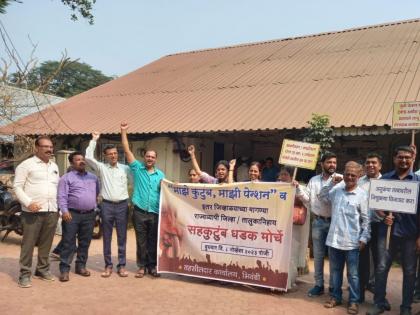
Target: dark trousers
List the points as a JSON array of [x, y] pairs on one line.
[[80, 227], [146, 227], [114, 213], [373, 245], [364, 270], [407, 247], [417, 290], [57, 250], [38, 230]]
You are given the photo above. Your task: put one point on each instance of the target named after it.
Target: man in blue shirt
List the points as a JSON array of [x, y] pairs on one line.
[[404, 239], [77, 193], [146, 195]]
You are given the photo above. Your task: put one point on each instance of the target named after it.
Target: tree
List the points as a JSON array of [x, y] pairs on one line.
[[320, 132], [82, 7], [73, 78]]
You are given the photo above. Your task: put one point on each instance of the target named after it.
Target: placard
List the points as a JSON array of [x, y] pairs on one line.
[[299, 154], [394, 195], [406, 115]]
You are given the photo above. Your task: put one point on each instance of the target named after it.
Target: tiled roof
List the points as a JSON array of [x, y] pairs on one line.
[[354, 76]]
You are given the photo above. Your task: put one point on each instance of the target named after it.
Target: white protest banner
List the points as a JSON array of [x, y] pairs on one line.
[[406, 115], [299, 154], [394, 195], [238, 232]]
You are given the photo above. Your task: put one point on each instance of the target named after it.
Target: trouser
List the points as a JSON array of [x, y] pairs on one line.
[[57, 250], [373, 245], [320, 228], [114, 213], [350, 258], [417, 290], [146, 227], [80, 227], [364, 269], [407, 247], [38, 230]]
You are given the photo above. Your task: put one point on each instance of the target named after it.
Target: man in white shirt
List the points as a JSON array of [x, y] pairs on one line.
[[321, 213], [114, 209], [35, 185]]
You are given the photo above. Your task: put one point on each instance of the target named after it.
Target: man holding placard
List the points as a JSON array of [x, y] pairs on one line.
[[398, 197]]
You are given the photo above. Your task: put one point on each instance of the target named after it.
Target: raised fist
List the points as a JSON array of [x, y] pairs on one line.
[[191, 149], [95, 135], [124, 126]]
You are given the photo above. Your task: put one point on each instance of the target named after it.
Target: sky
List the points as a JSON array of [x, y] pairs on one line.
[[129, 34]]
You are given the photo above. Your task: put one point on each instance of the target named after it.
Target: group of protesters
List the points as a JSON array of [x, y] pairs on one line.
[[342, 225], [44, 195]]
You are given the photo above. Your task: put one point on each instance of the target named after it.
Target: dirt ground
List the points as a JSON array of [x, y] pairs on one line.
[[170, 294]]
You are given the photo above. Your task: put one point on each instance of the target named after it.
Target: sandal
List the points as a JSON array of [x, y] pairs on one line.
[[107, 272], [153, 272], [140, 273], [122, 272], [353, 308], [332, 303]]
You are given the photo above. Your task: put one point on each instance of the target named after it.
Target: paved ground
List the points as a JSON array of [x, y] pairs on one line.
[[170, 294]]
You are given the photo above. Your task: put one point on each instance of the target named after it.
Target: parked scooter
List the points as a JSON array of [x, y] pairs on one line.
[[10, 211]]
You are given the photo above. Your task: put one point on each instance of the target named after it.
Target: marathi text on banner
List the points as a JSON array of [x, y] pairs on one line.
[[406, 115], [235, 232], [299, 154], [394, 195]]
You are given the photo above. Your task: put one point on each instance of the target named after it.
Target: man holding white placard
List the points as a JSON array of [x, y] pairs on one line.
[[404, 234]]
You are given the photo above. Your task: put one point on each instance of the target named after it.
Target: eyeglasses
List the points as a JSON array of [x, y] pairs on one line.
[[404, 158]]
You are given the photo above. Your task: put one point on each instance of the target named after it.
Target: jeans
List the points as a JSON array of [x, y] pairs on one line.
[[114, 213], [146, 227], [320, 228], [350, 258], [38, 230], [407, 247], [80, 226], [57, 250]]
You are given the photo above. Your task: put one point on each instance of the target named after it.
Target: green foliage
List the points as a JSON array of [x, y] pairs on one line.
[[65, 80], [320, 132], [82, 7], [4, 4]]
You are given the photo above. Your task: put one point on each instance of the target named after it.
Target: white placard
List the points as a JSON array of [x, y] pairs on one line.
[[394, 195]]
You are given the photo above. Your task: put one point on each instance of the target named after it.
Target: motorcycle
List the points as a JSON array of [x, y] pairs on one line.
[[10, 210]]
